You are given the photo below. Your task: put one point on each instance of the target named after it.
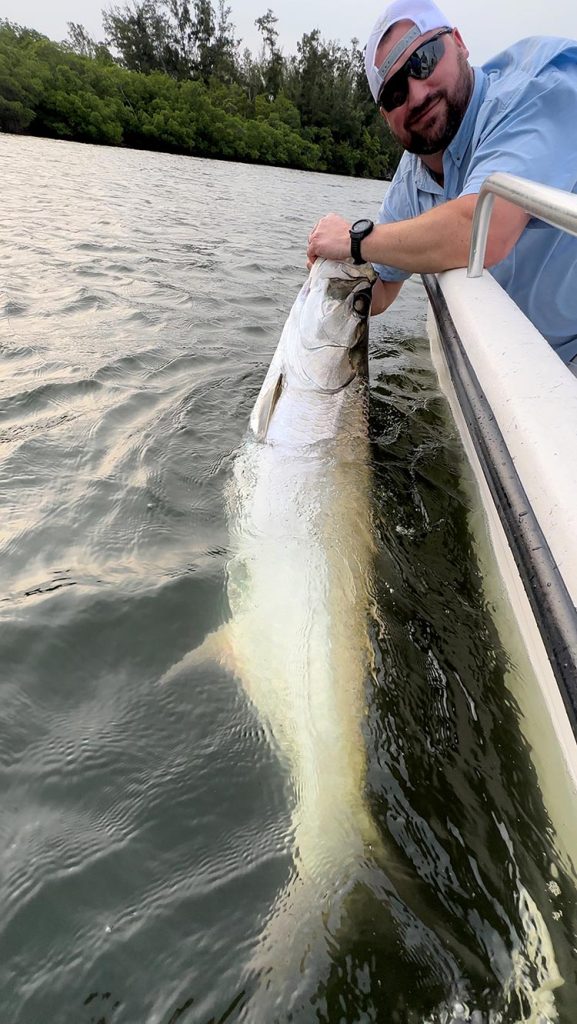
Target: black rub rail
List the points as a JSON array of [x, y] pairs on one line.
[[551, 603]]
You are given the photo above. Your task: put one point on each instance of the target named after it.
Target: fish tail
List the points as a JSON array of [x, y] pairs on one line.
[[304, 931], [293, 954]]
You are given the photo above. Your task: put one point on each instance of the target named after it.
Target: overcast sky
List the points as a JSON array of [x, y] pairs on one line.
[[486, 27]]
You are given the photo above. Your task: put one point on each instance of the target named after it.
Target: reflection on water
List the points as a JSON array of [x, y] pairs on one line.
[[458, 791], [146, 826]]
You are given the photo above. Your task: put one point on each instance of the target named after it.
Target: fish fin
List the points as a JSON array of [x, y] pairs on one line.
[[216, 647], [265, 406]]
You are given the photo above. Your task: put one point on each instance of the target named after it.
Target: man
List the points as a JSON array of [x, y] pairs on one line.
[[457, 125]]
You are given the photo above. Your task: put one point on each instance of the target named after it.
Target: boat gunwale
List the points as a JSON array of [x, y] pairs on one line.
[[551, 603]]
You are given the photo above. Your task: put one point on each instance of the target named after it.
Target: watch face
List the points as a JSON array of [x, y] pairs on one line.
[[361, 226]]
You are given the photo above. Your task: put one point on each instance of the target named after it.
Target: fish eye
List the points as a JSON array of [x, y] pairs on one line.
[[362, 303]]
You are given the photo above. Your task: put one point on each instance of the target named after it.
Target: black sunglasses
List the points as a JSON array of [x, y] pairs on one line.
[[420, 64]]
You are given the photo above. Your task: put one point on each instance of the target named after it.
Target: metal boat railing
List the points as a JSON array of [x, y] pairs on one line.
[[552, 205]]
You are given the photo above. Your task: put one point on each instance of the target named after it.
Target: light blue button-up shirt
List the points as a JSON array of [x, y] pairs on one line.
[[521, 118]]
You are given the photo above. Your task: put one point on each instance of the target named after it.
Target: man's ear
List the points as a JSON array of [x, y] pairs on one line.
[[383, 114], [459, 40]]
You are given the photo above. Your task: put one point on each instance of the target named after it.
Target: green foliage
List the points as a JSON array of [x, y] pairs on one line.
[[21, 78], [277, 111], [81, 43], [142, 36], [271, 60], [170, 76]]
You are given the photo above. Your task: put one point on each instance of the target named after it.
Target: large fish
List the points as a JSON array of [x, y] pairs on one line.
[[301, 551]]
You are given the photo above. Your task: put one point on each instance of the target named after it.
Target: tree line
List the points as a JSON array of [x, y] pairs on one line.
[[171, 75]]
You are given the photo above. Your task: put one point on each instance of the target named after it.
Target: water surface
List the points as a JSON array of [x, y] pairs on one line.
[[144, 826]]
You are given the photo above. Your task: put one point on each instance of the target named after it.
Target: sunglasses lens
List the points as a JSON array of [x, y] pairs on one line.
[[395, 91], [429, 57]]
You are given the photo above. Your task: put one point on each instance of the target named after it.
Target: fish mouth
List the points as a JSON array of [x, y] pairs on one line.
[[348, 271]]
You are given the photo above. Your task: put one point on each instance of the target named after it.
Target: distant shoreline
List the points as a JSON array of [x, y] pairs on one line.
[[192, 156], [312, 116]]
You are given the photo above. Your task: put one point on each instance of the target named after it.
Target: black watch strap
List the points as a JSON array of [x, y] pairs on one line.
[[356, 250], [359, 230]]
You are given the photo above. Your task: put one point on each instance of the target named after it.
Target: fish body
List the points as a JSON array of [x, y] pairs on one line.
[[298, 588], [297, 581]]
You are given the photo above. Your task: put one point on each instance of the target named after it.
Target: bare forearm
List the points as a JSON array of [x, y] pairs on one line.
[[428, 244], [384, 293], [434, 241]]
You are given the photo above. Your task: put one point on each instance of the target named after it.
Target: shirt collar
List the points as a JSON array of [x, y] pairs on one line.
[[455, 152]]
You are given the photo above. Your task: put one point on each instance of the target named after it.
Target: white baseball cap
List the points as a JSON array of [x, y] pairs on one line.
[[425, 16]]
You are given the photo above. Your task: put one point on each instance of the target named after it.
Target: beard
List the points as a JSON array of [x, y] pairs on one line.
[[436, 133]]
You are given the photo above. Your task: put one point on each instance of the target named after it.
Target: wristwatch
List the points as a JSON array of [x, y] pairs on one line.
[[359, 230]]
